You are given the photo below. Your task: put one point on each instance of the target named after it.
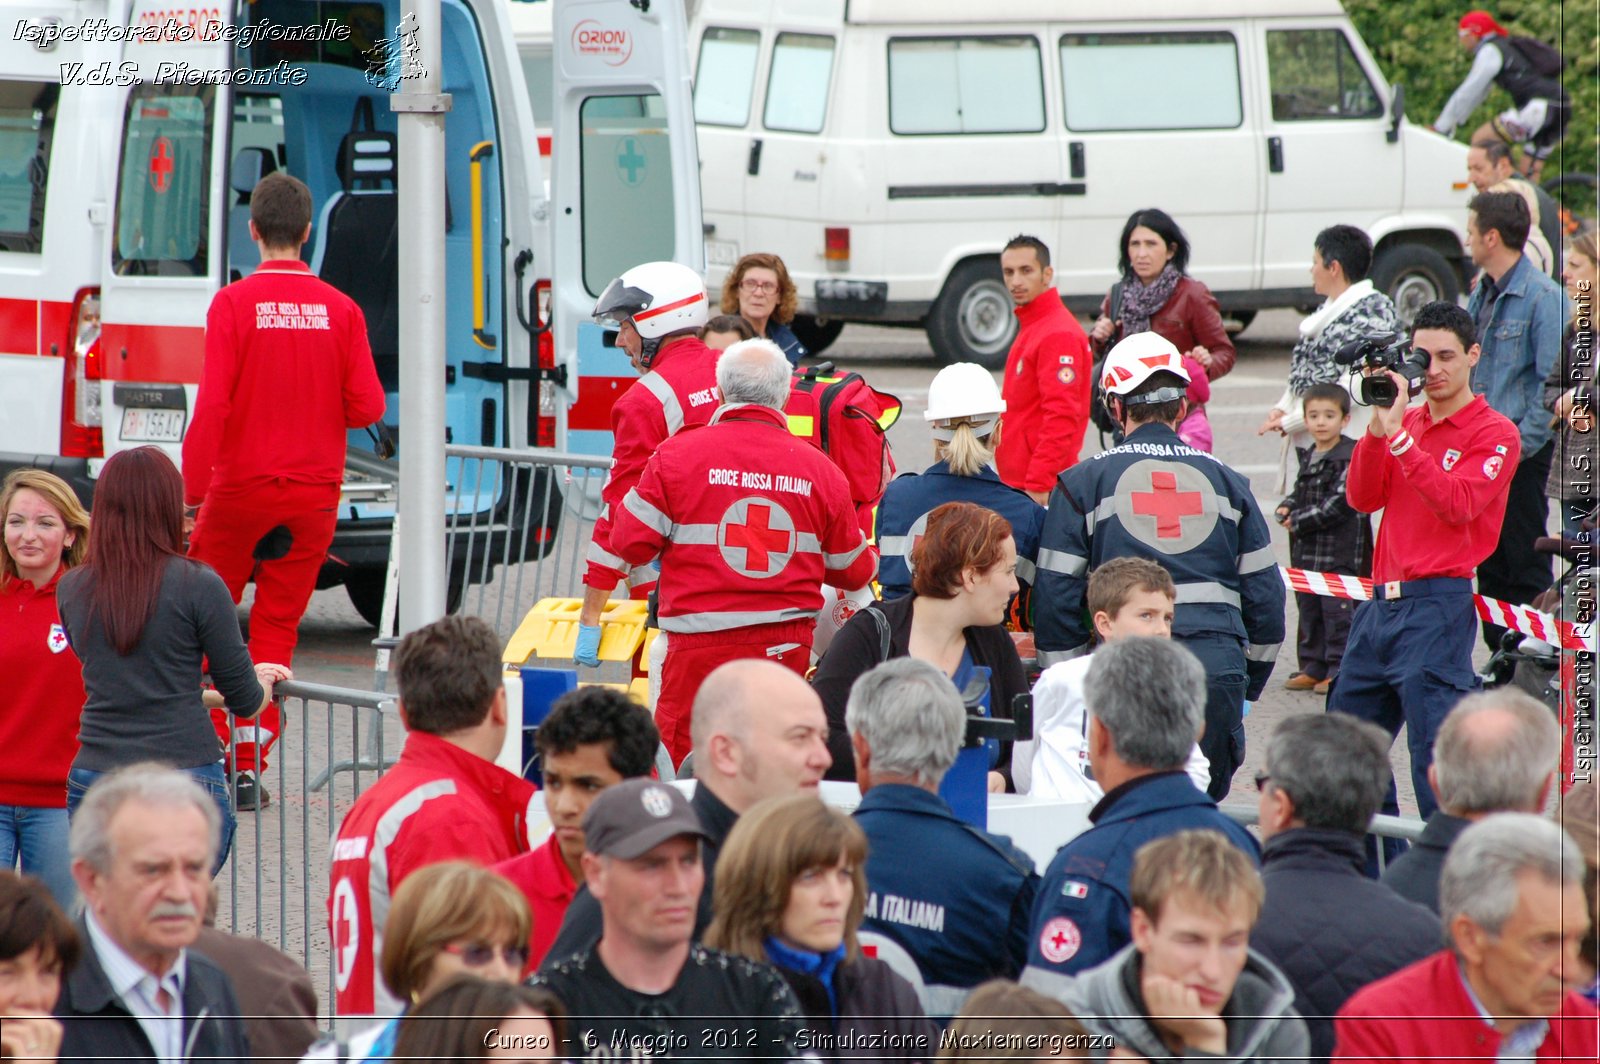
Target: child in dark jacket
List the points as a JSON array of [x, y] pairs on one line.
[[1326, 535]]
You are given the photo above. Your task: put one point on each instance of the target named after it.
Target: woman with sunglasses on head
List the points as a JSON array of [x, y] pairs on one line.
[[759, 289], [446, 919]]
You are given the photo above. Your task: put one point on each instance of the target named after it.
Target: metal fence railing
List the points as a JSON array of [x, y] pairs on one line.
[[1383, 827]]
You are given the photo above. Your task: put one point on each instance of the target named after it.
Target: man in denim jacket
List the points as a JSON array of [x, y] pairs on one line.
[[1519, 313]]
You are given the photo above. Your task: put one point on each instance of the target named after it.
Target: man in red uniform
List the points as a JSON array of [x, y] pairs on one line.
[[445, 799], [749, 521], [1511, 898], [1047, 381], [658, 309], [1440, 473], [594, 738], [287, 373]]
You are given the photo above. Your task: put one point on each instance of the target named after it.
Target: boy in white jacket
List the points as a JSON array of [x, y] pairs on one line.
[[1126, 597]]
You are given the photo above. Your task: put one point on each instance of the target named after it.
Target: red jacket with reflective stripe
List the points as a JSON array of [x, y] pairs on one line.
[[287, 372], [679, 390], [438, 803], [749, 520], [1047, 395]]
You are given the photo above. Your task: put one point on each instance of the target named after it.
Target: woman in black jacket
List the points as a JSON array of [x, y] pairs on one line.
[[964, 573], [791, 887]]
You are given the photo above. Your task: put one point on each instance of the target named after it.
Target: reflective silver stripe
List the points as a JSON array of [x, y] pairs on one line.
[[600, 556], [839, 561], [695, 535], [383, 834], [1227, 509], [1026, 571], [1256, 560], [943, 1000], [642, 574], [1059, 561], [1261, 651], [721, 622], [1194, 593], [894, 546], [1046, 982], [646, 513], [670, 408], [1107, 508], [1055, 657]]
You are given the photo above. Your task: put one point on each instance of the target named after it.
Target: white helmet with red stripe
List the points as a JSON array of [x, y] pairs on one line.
[[660, 298], [1132, 362]]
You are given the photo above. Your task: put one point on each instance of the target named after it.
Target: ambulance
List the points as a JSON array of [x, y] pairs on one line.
[[131, 135]]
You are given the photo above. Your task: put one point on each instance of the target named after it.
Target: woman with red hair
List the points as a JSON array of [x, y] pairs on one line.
[[147, 622]]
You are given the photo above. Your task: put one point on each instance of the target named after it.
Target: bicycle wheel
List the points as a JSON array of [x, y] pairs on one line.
[[1575, 193]]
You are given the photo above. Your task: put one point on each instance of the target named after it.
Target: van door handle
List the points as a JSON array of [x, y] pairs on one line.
[[1275, 154], [754, 166], [1075, 159]]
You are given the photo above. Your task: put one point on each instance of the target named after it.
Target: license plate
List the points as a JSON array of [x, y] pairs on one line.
[[721, 253], [153, 426]]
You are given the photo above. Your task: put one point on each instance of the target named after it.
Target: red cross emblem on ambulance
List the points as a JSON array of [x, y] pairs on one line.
[[162, 162], [756, 537]]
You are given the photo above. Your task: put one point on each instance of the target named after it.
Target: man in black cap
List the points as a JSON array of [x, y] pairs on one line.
[[643, 991]]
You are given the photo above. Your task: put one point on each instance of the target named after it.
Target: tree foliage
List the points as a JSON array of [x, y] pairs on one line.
[[1414, 42]]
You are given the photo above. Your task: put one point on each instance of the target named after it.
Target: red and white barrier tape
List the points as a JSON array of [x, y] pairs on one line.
[[1523, 619]]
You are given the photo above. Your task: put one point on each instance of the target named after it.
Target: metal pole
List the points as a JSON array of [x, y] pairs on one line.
[[421, 108]]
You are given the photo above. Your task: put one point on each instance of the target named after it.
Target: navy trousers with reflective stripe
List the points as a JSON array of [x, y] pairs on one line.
[[1226, 683]]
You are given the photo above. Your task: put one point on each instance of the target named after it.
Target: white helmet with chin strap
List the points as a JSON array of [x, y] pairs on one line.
[[660, 298], [1133, 361], [963, 391]]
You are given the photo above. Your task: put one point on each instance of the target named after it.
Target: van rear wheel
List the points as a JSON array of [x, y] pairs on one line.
[[1413, 276], [818, 334], [365, 588], [972, 320]]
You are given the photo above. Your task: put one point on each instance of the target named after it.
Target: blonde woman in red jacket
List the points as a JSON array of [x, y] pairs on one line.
[[46, 533]]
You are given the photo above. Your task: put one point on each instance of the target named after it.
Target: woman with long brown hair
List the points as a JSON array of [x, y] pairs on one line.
[[46, 534], [790, 891], [147, 622]]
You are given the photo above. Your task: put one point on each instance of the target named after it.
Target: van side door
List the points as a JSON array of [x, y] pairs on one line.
[[167, 229], [625, 183]]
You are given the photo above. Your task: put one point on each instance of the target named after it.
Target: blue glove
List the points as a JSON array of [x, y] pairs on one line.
[[588, 649]]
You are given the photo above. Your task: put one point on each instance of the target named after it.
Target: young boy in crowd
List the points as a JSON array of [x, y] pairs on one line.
[[1126, 597], [1326, 535]]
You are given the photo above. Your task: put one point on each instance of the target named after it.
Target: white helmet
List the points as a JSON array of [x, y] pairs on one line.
[[1132, 362], [964, 390], [660, 298]]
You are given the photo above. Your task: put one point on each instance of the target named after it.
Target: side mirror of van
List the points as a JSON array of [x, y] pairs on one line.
[[1397, 113]]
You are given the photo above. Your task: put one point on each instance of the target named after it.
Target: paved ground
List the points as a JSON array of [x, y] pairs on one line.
[[336, 644]]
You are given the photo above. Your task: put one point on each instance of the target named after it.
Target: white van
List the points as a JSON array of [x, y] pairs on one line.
[[887, 150], [126, 164]]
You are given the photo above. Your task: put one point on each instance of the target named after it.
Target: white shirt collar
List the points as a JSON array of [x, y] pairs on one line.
[[122, 971]]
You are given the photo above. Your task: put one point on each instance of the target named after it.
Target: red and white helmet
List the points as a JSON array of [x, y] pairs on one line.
[[660, 298], [1132, 362]]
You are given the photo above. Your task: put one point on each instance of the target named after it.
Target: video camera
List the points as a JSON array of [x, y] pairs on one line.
[[1386, 351]]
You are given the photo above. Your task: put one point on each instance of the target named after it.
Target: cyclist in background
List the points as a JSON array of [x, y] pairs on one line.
[[1528, 69]]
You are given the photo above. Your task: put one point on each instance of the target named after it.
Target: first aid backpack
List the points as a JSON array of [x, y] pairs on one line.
[[848, 420]]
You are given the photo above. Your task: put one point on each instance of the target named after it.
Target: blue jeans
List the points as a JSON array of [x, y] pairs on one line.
[[38, 837], [211, 777]]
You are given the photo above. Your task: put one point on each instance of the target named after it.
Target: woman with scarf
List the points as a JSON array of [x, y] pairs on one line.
[[1351, 308], [790, 891], [1156, 295]]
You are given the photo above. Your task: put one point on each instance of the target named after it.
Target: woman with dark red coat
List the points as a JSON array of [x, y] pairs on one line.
[[1157, 295], [46, 533]]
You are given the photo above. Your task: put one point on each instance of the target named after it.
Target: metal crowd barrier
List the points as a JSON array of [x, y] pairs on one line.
[[275, 884], [1382, 826]]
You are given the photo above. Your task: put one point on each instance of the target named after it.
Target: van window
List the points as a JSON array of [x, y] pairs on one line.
[[163, 186], [965, 85], [797, 86], [27, 125], [725, 76], [1315, 75], [627, 185], [1125, 81]]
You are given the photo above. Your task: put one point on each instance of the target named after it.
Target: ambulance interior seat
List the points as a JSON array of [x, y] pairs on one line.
[[250, 165], [357, 247]]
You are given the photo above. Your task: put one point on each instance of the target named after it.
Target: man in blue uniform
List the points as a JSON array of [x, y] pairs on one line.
[[1145, 697], [1155, 497], [968, 923]]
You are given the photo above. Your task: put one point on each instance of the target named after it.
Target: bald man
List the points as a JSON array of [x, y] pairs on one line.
[[758, 731]]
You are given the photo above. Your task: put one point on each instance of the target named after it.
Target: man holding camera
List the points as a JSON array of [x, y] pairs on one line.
[[1440, 472]]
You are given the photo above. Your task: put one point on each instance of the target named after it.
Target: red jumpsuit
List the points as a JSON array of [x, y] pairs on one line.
[[1047, 395], [438, 803], [749, 522], [287, 372]]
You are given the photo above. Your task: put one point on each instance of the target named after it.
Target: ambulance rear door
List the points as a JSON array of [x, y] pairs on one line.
[[166, 235], [626, 184]]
